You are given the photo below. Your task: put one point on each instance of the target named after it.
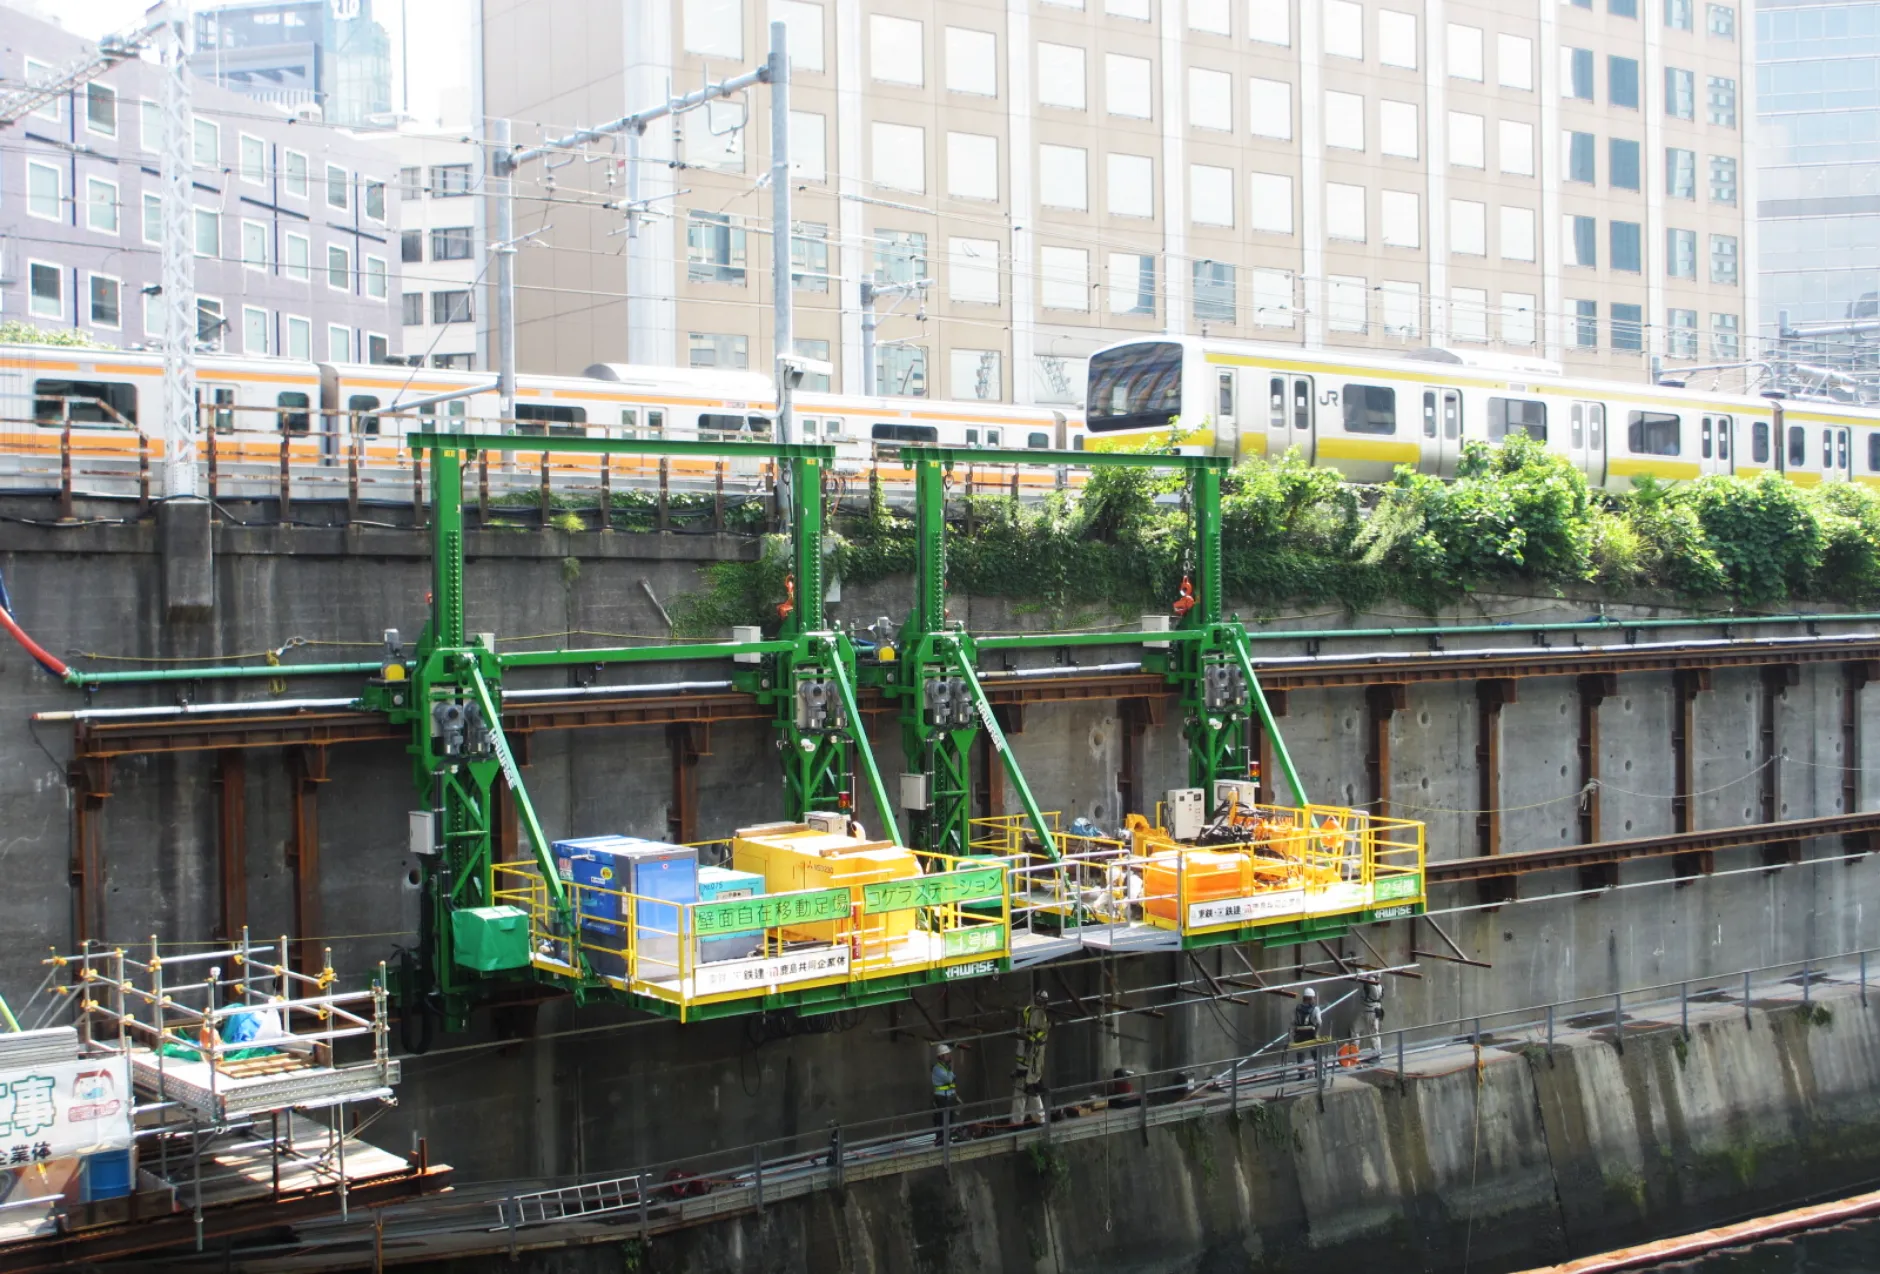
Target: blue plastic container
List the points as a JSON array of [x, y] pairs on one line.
[[105, 1175]]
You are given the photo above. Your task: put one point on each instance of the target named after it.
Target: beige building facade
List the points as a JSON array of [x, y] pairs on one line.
[[1537, 180]]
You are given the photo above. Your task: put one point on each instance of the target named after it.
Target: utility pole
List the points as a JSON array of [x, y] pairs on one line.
[[502, 189], [782, 240], [179, 266], [871, 292]]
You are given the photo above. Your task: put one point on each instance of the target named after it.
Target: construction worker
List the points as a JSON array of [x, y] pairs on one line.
[[946, 1091], [1308, 1026], [1371, 1011], [1034, 1026]]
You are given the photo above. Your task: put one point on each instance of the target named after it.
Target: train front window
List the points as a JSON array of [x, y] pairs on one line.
[[1135, 387], [84, 402]]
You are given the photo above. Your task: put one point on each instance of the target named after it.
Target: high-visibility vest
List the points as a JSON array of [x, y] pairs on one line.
[[943, 1081]]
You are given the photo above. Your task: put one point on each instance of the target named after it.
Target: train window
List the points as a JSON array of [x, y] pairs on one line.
[[1704, 446], [362, 403], [1226, 380], [1827, 448], [1452, 414], [1596, 427], [1653, 433], [832, 427], [1370, 409], [223, 397], [1759, 442], [1724, 429], [1798, 446], [1429, 413], [1077, 443], [1276, 393], [630, 422], [972, 437], [808, 424], [905, 433], [293, 405], [758, 424], [536, 420], [655, 423], [995, 437], [1840, 439], [84, 402], [1873, 452], [1517, 416], [1576, 427], [1041, 441], [1302, 403], [720, 422]]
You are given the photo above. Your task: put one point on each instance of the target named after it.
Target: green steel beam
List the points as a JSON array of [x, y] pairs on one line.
[[218, 672], [472, 444], [999, 745], [858, 731], [1047, 641], [1238, 643], [512, 773], [640, 654], [1060, 459]]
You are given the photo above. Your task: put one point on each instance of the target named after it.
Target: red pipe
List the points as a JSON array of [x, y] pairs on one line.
[[33, 648]]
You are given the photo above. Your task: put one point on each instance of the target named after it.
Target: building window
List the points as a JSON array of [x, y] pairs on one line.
[[101, 111], [1581, 166], [1517, 234], [1723, 337], [1576, 73], [1722, 22], [1126, 86], [208, 232], [1514, 62], [1344, 29], [1064, 177], [450, 181], [1064, 278], [1211, 16], [453, 243], [153, 218], [1582, 241], [1397, 130], [1517, 318], [1214, 292], [1722, 100], [895, 50], [1468, 146], [1681, 334], [411, 246], [1131, 183], [375, 200], [973, 271], [255, 245], [901, 370], [378, 348], [337, 187], [974, 375], [1344, 212], [1272, 297], [1400, 218], [106, 301], [338, 343], [1268, 21], [1468, 314], [413, 305], [1723, 258], [1211, 195], [1401, 309], [210, 325], [1515, 144], [1270, 205], [411, 183], [715, 248], [1210, 99], [299, 345], [1397, 39], [1680, 93], [900, 256], [1722, 179], [1132, 283], [1269, 108], [378, 278], [338, 267], [206, 149], [1681, 254], [900, 156], [1680, 173], [715, 28], [254, 160], [46, 287], [1622, 163], [1622, 8], [52, 110], [1623, 237], [101, 205], [1060, 76], [1465, 52], [809, 257], [43, 191], [1628, 326], [972, 62], [451, 307], [1468, 228], [1586, 324], [298, 257], [1678, 14], [1347, 307], [1622, 81], [254, 330], [1344, 120], [809, 156], [294, 171]]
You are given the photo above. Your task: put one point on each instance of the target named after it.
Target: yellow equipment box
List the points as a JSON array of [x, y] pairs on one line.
[[793, 857], [1206, 876]]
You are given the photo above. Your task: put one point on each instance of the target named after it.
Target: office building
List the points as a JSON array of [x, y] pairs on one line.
[[441, 249], [330, 54]]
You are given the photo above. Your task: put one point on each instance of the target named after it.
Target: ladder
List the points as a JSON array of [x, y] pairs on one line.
[[568, 1203]]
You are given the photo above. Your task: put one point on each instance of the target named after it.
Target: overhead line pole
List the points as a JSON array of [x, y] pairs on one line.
[[179, 265]]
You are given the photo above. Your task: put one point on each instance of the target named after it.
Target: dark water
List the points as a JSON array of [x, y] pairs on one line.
[[1853, 1250]]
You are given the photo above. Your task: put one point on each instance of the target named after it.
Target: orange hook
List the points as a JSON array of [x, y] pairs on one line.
[[1185, 602], [788, 604]]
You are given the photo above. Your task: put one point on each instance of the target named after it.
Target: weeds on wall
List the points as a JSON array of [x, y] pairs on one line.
[[1514, 517]]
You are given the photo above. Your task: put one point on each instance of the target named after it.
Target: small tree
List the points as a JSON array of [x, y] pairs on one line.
[[18, 332]]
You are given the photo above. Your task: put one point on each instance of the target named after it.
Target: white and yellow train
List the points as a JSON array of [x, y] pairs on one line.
[[108, 402], [1364, 415]]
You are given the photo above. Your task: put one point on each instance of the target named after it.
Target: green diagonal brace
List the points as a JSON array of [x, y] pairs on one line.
[[1237, 642], [513, 774], [859, 733], [997, 738]]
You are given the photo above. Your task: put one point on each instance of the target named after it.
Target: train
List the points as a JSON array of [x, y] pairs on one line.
[[1364, 414], [332, 413]]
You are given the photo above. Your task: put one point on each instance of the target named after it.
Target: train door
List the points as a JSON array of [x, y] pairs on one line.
[[1290, 417], [1795, 457], [1761, 450], [1836, 457], [1441, 431], [1586, 439], [1226, 415], [1716, 444]]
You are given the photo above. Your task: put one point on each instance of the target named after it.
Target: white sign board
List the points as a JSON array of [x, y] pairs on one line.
[[61, 1109], [753, 976], [1277, 903]]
